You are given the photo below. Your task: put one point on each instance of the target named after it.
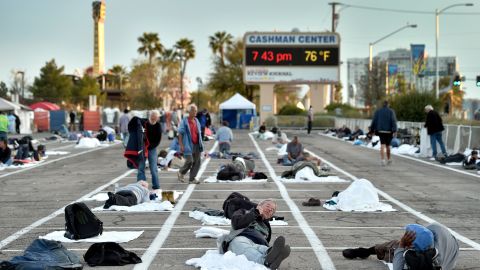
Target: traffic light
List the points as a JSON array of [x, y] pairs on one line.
[[478, 81], [457, 80]]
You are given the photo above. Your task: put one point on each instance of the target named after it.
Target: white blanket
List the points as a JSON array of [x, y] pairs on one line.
[[454, 163], [307, 175], [360, 196], [99, 197], [215, 220], [210, 232], [113, 236], [213, 179], [212, 260], [143, 207], [56, 153], [406, 149], [88, 143]]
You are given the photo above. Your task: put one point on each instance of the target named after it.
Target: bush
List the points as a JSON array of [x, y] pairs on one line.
[[291, 110], [346, 110], [411, 106]]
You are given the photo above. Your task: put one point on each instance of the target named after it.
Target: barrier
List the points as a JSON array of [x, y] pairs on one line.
[[41, 120], [91, 120]]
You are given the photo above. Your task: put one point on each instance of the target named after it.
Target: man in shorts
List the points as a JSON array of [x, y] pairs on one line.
[[384, 124]]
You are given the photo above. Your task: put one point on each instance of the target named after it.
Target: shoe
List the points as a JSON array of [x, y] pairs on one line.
[[312, 202], [194, 181], [389, 162], [168, 196], [181, 177], [353, 253], [284, 253], [275, 249], [383, 162]]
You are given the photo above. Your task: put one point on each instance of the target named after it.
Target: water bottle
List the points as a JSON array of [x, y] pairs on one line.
[[116, 187]]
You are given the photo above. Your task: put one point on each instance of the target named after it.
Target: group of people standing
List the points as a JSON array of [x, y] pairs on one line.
[[9, 124]]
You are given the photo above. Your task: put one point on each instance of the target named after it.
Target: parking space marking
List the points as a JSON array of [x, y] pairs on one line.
[[405, 207], [318, 248], [164, 232], [41, 221]]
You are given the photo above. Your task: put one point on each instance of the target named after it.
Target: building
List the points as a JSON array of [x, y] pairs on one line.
[[98, 14], [401, 60]]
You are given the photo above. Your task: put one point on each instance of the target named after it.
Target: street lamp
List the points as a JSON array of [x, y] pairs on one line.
[[181, 57], [370, 46], [200, 83], [23, 82], [437, 35]]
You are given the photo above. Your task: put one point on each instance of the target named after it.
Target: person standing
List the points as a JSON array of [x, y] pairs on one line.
[[435, 128], [3, 126], [153, 135], [17, 123], [384, 124], [72, 121], [202, 118], [191, 145], [163, 120], [309, 120], [123, 122], [11, 123]]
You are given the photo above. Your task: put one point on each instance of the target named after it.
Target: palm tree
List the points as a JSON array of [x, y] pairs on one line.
[[150, 45], [120, 73], [218, 42], [185, 51]]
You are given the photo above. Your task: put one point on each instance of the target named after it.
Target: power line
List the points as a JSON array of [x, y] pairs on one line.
[[408, 11]]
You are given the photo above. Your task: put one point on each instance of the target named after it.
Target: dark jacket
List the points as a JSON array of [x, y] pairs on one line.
[[154, 134], [433, 123], [5, 155], [384, 120], [137, 148], [44, 254], [246, 219]]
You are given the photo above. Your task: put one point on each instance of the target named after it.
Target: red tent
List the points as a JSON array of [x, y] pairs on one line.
[[45, 106]]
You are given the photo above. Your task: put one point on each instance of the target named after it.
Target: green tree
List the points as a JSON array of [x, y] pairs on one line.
[[52, 85], [226, 80], [373, 84], [3, 90], [120, 75], [188, 51], [85, 87], [150, 46], [218, 43], [411, 106]]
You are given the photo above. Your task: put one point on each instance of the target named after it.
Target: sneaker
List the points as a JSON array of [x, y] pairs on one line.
[[389, 162], [181, 177], [194, 181], [275, 249], [284, 253], [353, 253], [383, 162], [168, 196]]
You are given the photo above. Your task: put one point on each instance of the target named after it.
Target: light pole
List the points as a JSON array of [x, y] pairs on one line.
[[200, 83], [23, 82], [437, 36], [370, 46], [181, 58]]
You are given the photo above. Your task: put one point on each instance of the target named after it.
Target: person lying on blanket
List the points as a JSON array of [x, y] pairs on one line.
[[421, 248], [130, 195], [251, 233]]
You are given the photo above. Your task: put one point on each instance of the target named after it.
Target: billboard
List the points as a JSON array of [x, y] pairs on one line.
[[419, 59], [293, 57]]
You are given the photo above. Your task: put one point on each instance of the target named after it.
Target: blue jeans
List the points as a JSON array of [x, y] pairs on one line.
[[125, 136], [8, 162], [241, 245], [288, 162], [224, 147], [152, 161], [434, 138]]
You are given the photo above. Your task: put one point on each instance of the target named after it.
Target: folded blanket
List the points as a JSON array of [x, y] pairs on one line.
[[143, 207], [113, 236], [210, 232], [212, 260], [213, 179]]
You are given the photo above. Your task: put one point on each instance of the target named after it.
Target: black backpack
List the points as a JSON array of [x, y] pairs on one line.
[[80, 222], [109, 254], [234, 202]]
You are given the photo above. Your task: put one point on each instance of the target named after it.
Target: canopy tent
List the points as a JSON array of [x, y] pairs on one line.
[[237, 111], [44, 105], [23, 112]]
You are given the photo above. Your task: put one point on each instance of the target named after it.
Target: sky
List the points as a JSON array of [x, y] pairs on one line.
[[33, 32]]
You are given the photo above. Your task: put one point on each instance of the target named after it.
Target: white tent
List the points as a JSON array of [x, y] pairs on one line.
[[24, 113], [237, 111], [237, 102]]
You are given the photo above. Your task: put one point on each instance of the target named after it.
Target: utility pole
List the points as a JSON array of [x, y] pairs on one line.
[[334, 14]]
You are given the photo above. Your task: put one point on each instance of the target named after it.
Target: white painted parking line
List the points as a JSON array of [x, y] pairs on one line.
[[162, 235], [318, 248], [41, 221], [405, 207], [51, 161]]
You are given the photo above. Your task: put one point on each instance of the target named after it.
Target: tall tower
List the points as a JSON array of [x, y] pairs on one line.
[[98, 8]]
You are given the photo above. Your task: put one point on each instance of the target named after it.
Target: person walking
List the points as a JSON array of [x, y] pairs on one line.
[[435, 128], [123, 122], [3, 126], [191, 145], [72, 121], [17, 123], [384, 125], [153, 135], [309, 120]]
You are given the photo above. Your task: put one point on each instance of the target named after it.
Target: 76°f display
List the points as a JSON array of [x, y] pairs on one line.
[[292, 56]]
